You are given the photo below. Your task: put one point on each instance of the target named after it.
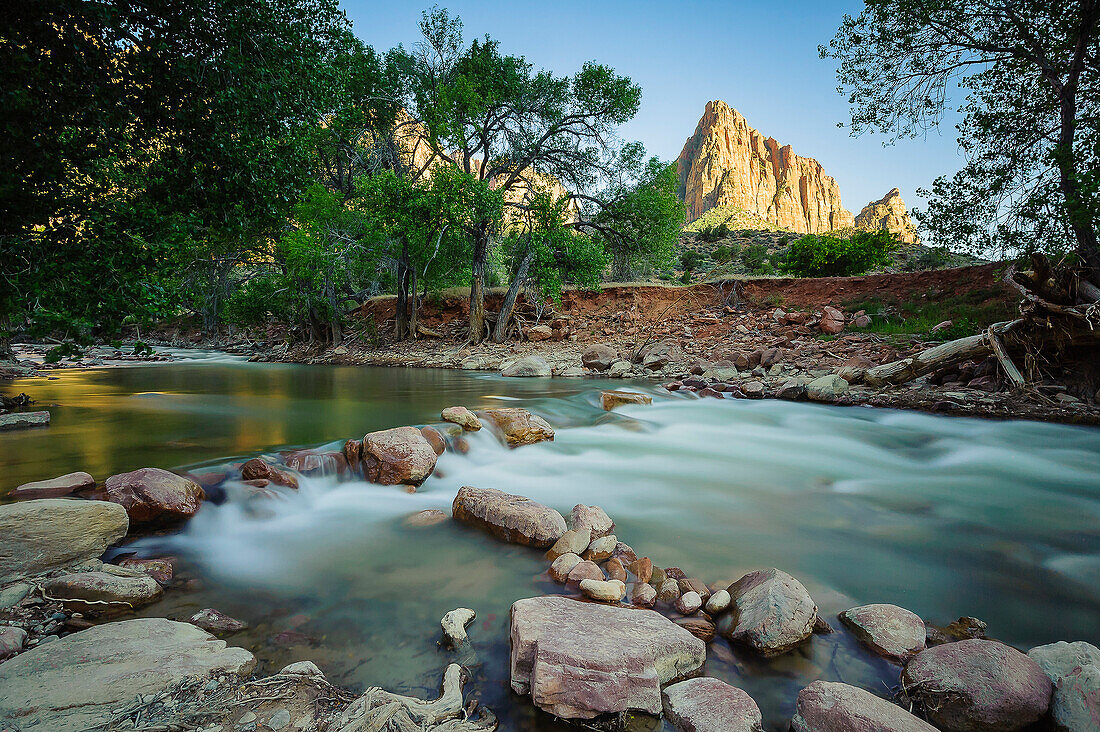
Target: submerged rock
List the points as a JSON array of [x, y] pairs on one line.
[[773, 612], [516, 426], [611, 399], [889, 630], [578, 660], [699, 627], [162, 569], [828, 706], [398, 456], [63, 485], [154, 496], [1074, 669], [454, 625], [23, 420], [100, 592], [78, 681], [316, 462], [527, 366], [51, 533], [216, 622], [427, 517], [709, 705], [976, 685], [463, 417], [512, 518]]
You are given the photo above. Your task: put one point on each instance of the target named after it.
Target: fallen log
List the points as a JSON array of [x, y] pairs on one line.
[[938, 357]]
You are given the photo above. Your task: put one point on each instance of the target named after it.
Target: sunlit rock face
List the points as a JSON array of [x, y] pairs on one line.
[[889, 214], [728, 163]]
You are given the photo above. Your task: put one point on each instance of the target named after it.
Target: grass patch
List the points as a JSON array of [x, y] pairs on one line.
[[970, 313]]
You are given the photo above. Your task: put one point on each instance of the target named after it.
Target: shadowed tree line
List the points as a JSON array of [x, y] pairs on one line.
[[252, 161]]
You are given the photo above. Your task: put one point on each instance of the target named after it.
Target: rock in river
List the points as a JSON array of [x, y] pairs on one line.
[[398, 456], [579, 660], [826, 388], [527, 366], [154, 496], [1074, 668], [63, 485], [828, 706], [50, 533], [592, 518], [773, 612], [100, 592], [512, 518], [709, 705], [573, 541], [562, 566], [611, 590], [889, 630], [611, 399], [23, 420], [78, 681], [977, 685], [258, 469], [216, 622], [463, 417], [516, 426], [454, 625]]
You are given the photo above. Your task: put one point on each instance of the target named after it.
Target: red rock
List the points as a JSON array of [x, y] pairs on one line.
[[642, 569], [512, 518], [353, 453], [257, 469], [832, 321], [398, 456], [161, 569], [583, 570], [828, 705], [709, 705], [516, 426], [63, 485], [434, 438], [152, 495]]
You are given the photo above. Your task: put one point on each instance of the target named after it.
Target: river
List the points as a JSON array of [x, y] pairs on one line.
[[944, 516]]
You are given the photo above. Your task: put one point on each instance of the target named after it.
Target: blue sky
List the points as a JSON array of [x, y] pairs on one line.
[[759, 57]]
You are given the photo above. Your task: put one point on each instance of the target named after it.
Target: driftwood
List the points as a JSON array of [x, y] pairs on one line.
[[378, 710], [937, 357]]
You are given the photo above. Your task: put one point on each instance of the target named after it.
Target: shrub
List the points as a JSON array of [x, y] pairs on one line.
[[756, 259], [825, 255], [722, 231], [686, 277], [722, 254], [689, 260]]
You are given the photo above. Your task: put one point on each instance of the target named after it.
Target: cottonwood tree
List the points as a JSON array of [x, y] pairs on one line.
[[1031, 73], [494, 117]]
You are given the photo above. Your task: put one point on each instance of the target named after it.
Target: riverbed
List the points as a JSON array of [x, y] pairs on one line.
[[944, 516]]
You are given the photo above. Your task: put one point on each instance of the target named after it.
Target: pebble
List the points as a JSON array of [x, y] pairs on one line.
[[689, 603], [604, 591], [718, 602], [279, 720]]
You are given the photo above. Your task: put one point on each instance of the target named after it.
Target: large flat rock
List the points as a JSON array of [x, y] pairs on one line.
[[709, 705], [889, 630], [74, 683], [50, 533], [509, 517], [579, 660], [829, 706]]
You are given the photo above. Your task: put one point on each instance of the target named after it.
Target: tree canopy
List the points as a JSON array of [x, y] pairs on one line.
[[1030, 131]]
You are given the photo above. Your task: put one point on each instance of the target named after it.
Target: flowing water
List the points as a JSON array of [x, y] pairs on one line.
[[944, 516]]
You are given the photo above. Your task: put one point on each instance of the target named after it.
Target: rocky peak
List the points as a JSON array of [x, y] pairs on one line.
[[728, 163], [889, 214]]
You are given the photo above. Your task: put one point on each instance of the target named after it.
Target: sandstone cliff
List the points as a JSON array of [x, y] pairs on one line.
[[728, 163], [888, 213]]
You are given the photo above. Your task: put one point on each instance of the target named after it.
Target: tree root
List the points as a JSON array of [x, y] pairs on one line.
[[378, 710]]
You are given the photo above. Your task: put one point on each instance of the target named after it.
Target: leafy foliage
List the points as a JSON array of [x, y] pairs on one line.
[[826, 255]]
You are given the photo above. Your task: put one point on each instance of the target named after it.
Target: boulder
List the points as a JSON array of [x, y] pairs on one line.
[[12, 640], [512, 518], [615, 569], [832, 321], [709, 705], [689, 603], [516, 426], [398, 456], [579, 660], [719, 602], [1074, 669], [527, 366], [154, 496], [772, 612], [101, 592], [828, 706], [258, 469], [23, 420], [79, 681], [51, 533], [642, 569], [977, 685], [461, 416], [700, 627], [888, 630], [63, 485], [539, 333], [599, 357], [435, 439], [658, 355], [691, 584], [593, 518], [611, 399], [791, 391], [826, 388], [216, 622], [668, 591]]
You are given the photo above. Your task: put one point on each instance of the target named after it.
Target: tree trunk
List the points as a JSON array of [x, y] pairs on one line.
[[401, 316], [413, 304], [477, 285], [1078, 211], [500, 330]]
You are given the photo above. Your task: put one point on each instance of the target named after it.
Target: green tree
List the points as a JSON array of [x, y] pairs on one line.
[[493, 116], [1031, 121]]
